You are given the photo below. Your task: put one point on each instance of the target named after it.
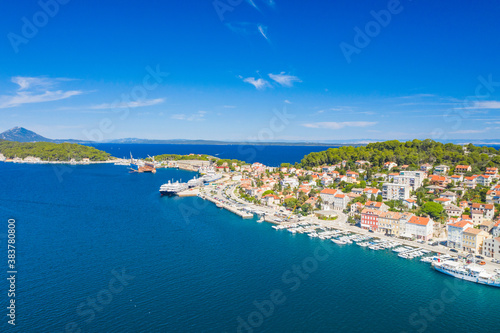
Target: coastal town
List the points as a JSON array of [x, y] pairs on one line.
[[419, 213], [433, 211], [387, 203]]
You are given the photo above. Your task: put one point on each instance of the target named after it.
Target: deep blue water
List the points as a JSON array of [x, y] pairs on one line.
[[197, 268], [268, 155]]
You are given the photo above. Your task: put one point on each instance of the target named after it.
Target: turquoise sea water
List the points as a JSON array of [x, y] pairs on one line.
[[191, 267]]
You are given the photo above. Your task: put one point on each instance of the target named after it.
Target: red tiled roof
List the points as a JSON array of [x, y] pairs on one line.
[[419, 220]]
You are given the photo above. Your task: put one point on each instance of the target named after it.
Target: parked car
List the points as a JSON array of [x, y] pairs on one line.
[[454, 250]]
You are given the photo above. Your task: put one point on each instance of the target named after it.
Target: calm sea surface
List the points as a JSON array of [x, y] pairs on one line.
[[98, 250], [268, 155]]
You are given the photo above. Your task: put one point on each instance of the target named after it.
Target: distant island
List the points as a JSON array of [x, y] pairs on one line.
[[21, 134]]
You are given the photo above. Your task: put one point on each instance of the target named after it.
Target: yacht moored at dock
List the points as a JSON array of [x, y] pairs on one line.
[[471, 272]]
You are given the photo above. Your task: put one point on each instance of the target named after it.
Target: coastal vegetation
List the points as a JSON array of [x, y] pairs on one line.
[[411, 153], [48, 151], [175, 157]]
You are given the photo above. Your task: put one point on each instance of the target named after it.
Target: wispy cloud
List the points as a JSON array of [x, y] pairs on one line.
[[418, 96], [259, 84], [471, 131], [287, 101], [132, 104], [284, 79], [198, 116], [36, 90], [339, 125], [485, 105], [263, 31], [248, 29]]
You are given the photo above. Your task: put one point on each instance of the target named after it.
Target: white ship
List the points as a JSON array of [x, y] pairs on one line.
[[472, 272], [211, 177], [195, 182], [173, 188]]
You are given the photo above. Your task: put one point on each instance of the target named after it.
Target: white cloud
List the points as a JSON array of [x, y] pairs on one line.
[[198, 116], [259, 84], [263, 31], [287, 101], [35, 90], [284, 79], [485, 105], [471, 131], [339, 125], [123, 105]]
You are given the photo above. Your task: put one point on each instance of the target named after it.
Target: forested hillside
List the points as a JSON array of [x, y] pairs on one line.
[[48, 151], [414, 153]]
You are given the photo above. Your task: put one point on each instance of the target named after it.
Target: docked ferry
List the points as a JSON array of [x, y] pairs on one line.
[[173, 188], [471, 272]]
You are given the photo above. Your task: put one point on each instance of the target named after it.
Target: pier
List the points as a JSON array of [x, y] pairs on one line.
[[234, 210]]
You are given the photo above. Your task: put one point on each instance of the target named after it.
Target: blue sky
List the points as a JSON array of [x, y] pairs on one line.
[[338, 70]]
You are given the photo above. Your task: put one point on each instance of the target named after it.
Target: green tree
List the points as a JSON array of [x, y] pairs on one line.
[[433, 209]]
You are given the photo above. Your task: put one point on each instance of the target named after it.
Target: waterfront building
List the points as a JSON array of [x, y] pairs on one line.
[[420, 227], [369, 219], [388, 223], [327, 197], [491, 247], [340, 201], [473, 240], [392, 191], [455, 233]]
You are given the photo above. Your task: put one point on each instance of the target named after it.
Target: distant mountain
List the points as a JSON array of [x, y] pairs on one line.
[[21, 134]]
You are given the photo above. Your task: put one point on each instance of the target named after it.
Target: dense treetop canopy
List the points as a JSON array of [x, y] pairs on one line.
[[48, 151], [414, 152]]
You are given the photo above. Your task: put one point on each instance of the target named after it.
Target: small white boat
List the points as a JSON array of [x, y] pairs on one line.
[[339, 242]]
